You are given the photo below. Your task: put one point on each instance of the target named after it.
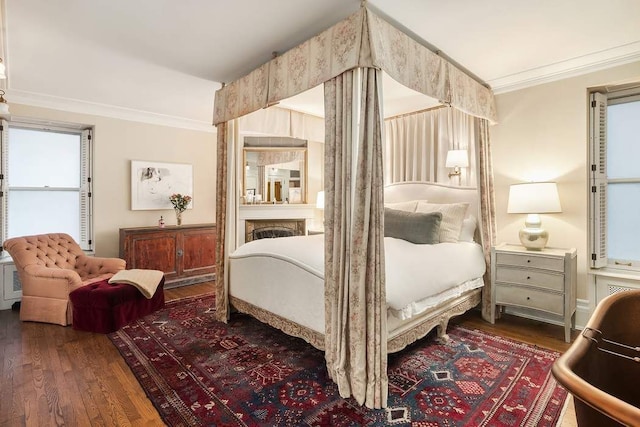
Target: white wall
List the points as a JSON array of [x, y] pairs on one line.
[[542, 134], [116, 143]]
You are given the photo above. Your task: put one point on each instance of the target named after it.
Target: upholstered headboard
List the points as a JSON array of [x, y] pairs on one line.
[[434, 193]]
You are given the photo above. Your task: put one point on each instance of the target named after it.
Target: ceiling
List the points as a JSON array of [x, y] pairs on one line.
[[162, 60]]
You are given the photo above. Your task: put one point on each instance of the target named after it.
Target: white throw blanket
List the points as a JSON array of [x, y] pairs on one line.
[[146, 281]]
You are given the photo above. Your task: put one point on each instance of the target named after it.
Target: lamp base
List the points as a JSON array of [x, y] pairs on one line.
[[534, 239], [532, 236]]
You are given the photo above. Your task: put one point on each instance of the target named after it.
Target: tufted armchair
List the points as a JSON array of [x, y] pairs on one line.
[[51, 266]]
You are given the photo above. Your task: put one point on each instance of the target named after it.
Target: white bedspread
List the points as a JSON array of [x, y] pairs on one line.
[[417, 276]]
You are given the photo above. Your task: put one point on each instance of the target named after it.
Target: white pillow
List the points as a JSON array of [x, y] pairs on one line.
[[409, 206], [452, 216], [468, 229]]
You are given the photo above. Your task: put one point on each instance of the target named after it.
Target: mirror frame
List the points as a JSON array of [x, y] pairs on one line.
[[304, 176]]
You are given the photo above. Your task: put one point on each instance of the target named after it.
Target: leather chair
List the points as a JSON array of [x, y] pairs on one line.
[[50, 267]]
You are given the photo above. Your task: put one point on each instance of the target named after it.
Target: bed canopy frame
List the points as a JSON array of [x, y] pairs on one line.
[[348, 58]]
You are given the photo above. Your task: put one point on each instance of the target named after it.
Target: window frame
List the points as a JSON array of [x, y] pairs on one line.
[[85, 132], [599, 101]]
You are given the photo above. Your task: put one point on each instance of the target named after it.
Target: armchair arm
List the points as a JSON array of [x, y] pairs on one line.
[[39, 279], [94, 266]]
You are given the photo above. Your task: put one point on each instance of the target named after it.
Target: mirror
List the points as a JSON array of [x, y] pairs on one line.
[[274, 175]]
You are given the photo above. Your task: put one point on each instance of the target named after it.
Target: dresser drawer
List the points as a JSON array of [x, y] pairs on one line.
[[530, 261], [531, 298], [530, 277]]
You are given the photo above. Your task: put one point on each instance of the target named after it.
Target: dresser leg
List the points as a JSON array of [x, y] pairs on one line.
[[567, 331]]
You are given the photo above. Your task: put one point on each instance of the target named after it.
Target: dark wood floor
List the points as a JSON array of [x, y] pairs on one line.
[[53, 376]]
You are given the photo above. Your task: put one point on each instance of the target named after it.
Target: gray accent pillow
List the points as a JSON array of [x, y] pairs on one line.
[[419, 228]]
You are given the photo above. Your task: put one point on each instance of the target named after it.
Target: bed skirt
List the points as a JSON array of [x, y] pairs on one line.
[[406, 333]]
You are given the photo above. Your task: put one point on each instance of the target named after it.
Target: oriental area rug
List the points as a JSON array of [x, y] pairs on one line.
[[199, 372]]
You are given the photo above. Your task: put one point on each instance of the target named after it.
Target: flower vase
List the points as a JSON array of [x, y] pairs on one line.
[[178, 217]]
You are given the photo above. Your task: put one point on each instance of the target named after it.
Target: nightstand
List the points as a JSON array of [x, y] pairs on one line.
[[542, 280]]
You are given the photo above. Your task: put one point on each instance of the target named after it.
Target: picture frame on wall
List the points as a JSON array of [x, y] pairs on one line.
[[153, 182]]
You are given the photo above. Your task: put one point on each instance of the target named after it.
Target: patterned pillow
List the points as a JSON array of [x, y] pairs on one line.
[[419, 228], [452, 216]]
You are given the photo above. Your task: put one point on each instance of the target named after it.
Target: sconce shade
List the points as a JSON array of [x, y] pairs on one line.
[[534, 197], [320, 200], [3, 70], [457, 158]]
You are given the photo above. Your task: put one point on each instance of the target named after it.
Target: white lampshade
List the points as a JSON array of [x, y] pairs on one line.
[[320, 200], [534, 197], [457, 158]]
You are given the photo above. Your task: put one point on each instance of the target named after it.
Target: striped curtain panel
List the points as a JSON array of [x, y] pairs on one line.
[[416, 146]]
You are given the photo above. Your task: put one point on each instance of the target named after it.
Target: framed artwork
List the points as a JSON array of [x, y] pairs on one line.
[[152, 183], [295, 195]]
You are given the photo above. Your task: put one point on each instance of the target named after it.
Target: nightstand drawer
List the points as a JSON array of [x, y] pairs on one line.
[[530, 277], [531, 298], [533, 261]]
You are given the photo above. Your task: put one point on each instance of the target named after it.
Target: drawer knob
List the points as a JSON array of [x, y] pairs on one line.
[[528, 277], [528, 260], [528, 298]]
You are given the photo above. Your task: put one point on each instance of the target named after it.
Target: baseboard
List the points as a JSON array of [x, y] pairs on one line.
[[176, 283], [8, 303], [583, 313]]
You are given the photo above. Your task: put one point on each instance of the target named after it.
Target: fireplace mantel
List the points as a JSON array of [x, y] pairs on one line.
[[274, 212], [283, 211]]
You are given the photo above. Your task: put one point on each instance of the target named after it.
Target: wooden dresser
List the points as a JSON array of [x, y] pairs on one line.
[[542, 280], [186, 253]]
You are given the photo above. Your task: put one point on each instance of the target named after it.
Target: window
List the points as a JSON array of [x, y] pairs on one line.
[[615, 179], [46, 181]]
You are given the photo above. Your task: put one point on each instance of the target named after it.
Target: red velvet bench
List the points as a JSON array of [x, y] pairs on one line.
[[105, 308]]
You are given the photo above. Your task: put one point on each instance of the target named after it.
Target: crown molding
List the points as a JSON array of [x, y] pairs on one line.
[[104, 110], [596, 61]]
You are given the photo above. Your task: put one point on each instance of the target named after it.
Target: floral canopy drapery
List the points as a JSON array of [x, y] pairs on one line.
[[348, 58]]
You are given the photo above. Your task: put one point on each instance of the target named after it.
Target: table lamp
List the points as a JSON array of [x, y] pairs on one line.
[[320, 200], [320, 204], [533, 199]]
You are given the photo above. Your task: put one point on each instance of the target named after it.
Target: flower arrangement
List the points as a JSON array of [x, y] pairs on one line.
[[179, 201], [180, 204]]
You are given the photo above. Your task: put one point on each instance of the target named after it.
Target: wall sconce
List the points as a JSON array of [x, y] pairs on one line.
[[3, 70], [246, 167], [457, 159], [4, 107], [534, 198]]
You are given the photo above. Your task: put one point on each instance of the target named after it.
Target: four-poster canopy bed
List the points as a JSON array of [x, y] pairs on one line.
[[348, 59], [281, 281]]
